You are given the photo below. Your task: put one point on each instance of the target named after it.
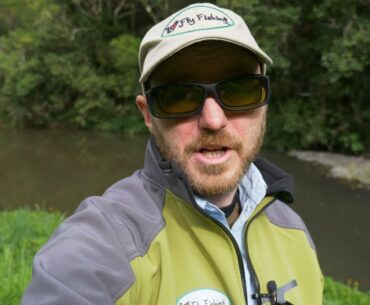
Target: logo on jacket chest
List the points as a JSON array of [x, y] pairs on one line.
[[204, 297]]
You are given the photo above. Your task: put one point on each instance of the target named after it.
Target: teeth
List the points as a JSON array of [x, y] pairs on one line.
[[213, 153]]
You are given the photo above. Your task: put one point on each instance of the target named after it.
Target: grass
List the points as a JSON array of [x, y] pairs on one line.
[[23, 232], [337, 293]]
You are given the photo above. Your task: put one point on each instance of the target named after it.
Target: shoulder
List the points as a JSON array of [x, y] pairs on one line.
[[280, 214], [126, 215], [89, 255]]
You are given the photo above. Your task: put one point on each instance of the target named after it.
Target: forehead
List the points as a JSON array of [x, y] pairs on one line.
[[205, 62]]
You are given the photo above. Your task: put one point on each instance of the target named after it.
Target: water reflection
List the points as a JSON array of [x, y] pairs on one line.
[[57, 169]]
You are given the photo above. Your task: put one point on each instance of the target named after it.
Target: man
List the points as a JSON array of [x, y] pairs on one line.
[[205, 222]]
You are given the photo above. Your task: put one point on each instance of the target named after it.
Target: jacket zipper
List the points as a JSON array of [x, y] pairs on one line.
[[249, 262], [236, 247], [235, 244], [227, 232]]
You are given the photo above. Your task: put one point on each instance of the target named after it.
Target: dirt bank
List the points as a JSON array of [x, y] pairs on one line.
[[353, 169]]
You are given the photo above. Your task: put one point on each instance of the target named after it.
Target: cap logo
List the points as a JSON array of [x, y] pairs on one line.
[[197, 18]]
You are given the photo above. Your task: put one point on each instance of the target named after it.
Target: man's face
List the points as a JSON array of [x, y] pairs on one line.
[[215, 147]]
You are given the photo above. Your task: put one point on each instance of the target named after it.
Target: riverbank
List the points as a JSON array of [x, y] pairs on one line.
[[23, 231], [353, 170]]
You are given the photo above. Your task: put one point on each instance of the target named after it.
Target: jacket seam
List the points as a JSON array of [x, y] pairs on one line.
[[136, 254], [278, 223], [132, 256]]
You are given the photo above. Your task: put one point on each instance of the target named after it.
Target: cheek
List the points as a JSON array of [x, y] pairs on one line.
[[182, 135], [177, 133], [248, 126]]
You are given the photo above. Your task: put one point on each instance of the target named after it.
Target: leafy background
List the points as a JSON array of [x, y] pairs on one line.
[[73, 64]]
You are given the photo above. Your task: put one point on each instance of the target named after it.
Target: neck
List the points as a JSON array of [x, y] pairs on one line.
[[222, 200]]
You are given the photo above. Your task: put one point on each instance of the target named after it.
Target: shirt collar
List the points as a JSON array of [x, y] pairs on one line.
[[252, 186]]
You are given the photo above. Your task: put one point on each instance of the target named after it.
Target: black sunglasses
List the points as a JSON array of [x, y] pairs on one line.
[[239, 93]]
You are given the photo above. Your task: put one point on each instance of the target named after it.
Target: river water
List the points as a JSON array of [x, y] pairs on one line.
[[57, 169]]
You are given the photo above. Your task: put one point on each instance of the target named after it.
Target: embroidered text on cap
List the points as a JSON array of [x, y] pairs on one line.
[[197, 18]]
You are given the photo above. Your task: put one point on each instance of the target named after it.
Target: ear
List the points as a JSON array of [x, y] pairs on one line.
[[142, 104]]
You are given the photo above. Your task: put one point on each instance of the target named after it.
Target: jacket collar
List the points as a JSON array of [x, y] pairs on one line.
[[166, 173], [279, 182]]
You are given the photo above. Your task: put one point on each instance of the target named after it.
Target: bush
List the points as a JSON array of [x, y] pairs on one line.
[[56, 72]]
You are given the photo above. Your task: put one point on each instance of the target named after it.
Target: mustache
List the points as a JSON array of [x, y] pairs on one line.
[[213, 139]]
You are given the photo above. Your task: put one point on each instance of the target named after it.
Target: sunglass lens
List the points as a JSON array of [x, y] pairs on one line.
[[177, 100], [242, 93]]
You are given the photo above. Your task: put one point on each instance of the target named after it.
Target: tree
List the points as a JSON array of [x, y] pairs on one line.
[[321, 52]]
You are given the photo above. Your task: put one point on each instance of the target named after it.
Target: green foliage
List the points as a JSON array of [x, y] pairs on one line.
[[299, 125], [74, 63], [321, 54], [23, 232], [54, 72], [336, 293]]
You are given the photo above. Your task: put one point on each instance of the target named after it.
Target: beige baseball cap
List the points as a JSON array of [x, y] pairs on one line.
[[195, 23]]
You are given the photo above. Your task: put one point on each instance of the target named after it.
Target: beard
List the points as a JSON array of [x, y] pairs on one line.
[[212, 180]]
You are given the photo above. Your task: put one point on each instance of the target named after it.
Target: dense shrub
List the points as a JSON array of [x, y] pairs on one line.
[[55, 73]]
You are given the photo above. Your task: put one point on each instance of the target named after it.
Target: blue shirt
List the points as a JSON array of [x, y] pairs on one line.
[[252, 189]]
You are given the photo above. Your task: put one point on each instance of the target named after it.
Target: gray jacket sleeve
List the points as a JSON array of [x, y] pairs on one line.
[[84, 262]]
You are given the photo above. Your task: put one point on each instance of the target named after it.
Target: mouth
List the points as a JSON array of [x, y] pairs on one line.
[[213, 155], [213, 152]]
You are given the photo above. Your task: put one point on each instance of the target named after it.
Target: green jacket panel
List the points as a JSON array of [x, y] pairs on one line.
[[283, 254], [193, 253]]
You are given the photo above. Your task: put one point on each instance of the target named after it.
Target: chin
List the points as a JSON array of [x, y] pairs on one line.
[[216, 183]]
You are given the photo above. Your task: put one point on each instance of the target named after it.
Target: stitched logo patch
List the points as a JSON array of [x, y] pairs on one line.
[[205, 296], [197, 18]]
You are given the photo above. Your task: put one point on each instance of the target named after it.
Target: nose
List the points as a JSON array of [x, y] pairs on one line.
[[212, 116]]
